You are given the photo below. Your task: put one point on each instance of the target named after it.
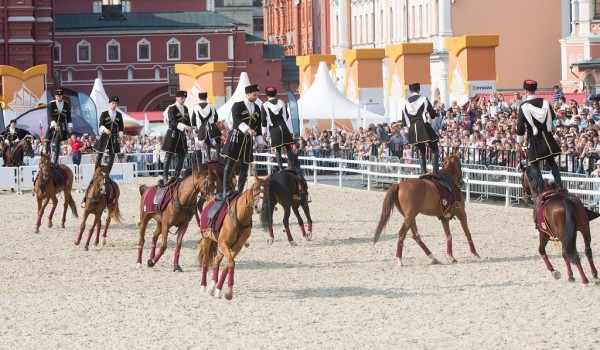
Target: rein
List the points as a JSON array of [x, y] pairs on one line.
[[188, 209], [240, 227]]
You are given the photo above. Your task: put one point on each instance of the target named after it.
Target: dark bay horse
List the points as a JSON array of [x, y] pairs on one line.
[[233, 235], [416, 196], [178, 212], [283, 189], [48, 184], [96, 202], [14, 156], [565, 214]]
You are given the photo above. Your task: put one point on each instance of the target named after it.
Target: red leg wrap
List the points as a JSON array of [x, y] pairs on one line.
[[569, 270], [399, 249], [449, 247], [222, 279], [584, 279], [303, 231], [176, 259], [547, 262], [424, 247], [203, 278], [289, 234], [215, 273], [230, 277], [593, 267]]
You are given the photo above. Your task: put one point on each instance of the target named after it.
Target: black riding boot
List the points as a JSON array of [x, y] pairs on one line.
[[278, 156], [436, 162], [167, 167], [99, 160], [227, 173], [111, 161], [423, 164], [179, 165], [218, 148], [556, 174], [243, 176]]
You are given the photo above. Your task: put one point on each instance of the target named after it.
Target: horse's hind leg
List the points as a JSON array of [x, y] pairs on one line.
[[271, 236], [54, 205], [40, 213], [108, 219], [67, 198], [401, 236], [542, 250], [86, 213], [286, 225], [163, 245], [300, 221], [446, 226], [309, 222], [417, 238], [143, 224], [180, 234], [569, 270], [462, 217], [587, 240]]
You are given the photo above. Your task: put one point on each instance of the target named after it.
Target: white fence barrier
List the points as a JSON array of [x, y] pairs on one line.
[[9, 178]]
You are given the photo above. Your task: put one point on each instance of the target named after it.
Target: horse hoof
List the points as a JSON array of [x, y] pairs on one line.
[[150, 263], [202, 289], [228, 296], [139, 265], [434, 261], [177, 268], [246, 245], [103, 241], [86, 248], [571, 279], [96, 243], [556, 275], [49, 224], [62, 225], [77, 242], [218, 294], [309, 236], [476, 255], [399, 262], [270, 240], [452, 260], [293, 243]]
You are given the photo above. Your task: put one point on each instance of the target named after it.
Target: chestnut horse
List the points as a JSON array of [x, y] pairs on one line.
[[233, 235], [46, 188], [284, 190], [178, 212], [417, 196], [565, 214], [16, 153], [96, 202]]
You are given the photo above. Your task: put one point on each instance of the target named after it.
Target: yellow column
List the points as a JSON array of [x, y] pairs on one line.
[[408, 63], [308, 66], [209, 78], [21, 90], [471, 65], [364, 78]]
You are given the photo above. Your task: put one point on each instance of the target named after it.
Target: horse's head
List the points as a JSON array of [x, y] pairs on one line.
[[452, 166], [259, 192], [27, 146], [205, 182], [293, 161], [100, 181], [45, 168]]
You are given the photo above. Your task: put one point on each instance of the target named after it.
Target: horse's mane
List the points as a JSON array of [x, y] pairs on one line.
[[536, 181], [293, 162]]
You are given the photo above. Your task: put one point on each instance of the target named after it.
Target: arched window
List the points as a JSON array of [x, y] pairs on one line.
[[129, 73], [113, 51], [84, 51], [173, 50], [69, 74], [143, 50]]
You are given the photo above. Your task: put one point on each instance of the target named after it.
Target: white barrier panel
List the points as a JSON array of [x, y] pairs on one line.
[[29, 173], [9, 178], [85, 159], [121, 173]]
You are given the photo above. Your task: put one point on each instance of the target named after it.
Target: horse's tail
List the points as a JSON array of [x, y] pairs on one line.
[[570, 233], [205, 251], [391, 199], [142, 189], [73, 207], [266, 216], [116, 211]]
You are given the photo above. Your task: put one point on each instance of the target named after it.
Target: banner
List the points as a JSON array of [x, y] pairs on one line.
[[22, 91], [293, 106]]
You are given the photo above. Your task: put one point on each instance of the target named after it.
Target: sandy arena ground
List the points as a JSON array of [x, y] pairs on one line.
[[337, 291]]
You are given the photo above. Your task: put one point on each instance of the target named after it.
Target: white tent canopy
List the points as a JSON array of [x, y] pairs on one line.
[[323, 101], [100, 98], [239, 94]]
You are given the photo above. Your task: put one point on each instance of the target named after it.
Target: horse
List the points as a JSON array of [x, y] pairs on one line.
[[283, 189], [564, 215], [102, 194], [50, 182], [15, 155], [178, 212], [234, 233], [420, 196]]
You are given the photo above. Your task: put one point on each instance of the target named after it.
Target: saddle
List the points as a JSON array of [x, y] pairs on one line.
[[448, 193], [540, 217], [59, 177], [163, 194], [213, 215], [111, 194], [301, 184]]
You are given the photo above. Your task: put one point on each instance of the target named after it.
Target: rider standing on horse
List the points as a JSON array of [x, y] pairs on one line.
[[420, 131], [60, 124], [245, 125], [175, 142], [205, 117], [111, 129], [274, 119], [536, 113], [11, 137]]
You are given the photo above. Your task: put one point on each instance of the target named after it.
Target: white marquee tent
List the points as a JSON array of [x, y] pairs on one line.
[[324, 102], [100, 98], [238, 95]]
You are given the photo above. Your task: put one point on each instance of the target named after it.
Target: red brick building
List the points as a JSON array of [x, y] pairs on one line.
[[134, 45], [302, 27], [25, 33]]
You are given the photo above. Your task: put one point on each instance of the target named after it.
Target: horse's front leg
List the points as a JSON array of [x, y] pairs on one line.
[[401, 236], [228, 271], [417, 238], [309, 222], [542, 250], [40, 213], [163, 246], [271, 236], [86, 213], [54, 205], [97, 223], [142, 233], [67, 197], [215, 275], [300, 221], [461, 214], [446, 226], [106, 224], [180, 234], [286, 224]]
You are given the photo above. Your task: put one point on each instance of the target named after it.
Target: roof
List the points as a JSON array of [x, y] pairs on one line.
[[253, 38], [272, 52], [588, 63], [290, 71], [142, 21]]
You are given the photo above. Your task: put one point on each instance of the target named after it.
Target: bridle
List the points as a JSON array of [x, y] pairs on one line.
[[205, 185], [100, 189], [257, 205]]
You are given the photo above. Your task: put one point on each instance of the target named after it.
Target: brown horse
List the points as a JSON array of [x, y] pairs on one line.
[[47, 185], [178, 212], [96, 202], [417, 196], [565, 215], [14, 156], [233, 235]]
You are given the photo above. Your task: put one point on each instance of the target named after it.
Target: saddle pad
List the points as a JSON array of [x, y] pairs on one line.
[[445, 197], [542, 223], [111, 193], [60, 177], [215, 225], [300, 183], [149, 206]]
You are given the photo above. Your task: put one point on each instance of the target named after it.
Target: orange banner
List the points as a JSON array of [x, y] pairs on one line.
[[22, 91]]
